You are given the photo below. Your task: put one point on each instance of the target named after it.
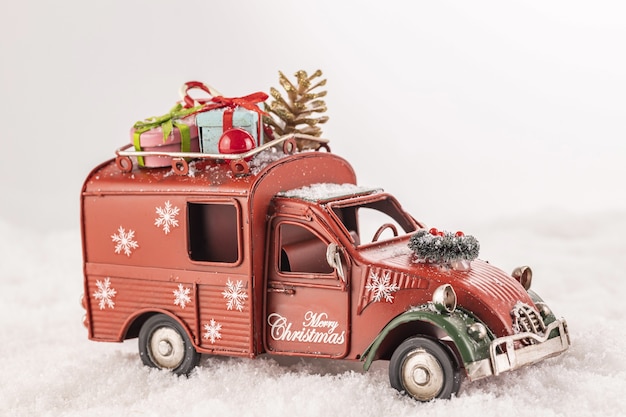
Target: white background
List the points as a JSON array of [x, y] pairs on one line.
[[464, 110], [503, 119]]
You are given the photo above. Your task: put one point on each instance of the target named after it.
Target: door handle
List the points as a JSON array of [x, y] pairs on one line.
[[288, 291]]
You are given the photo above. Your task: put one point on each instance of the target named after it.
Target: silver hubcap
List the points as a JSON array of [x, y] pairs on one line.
[[422, 375], [167, 348]]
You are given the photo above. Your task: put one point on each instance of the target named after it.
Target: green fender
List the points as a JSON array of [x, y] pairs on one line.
[[454, 325]]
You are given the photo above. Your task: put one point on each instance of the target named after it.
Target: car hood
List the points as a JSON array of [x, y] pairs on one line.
[[483, 290]]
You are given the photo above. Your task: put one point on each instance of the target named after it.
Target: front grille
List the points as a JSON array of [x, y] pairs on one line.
[[527, 319]]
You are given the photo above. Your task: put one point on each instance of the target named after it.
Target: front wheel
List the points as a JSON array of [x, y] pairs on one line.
[[164, 344], [423, 368]]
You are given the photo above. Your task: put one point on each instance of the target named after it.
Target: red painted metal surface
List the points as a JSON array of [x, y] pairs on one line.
[[241, 262], [138, 247]]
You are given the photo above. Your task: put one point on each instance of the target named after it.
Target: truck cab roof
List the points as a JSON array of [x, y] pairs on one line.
[[326, 192]]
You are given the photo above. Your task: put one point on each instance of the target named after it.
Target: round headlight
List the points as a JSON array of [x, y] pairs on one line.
[[477, 331], [544, 310], [444, 299], [524, 275]]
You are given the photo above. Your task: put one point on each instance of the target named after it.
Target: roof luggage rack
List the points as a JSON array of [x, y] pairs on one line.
[[238, 162]]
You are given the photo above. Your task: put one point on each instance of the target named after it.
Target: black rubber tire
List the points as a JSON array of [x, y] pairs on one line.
[[164, 344], [424, 369]]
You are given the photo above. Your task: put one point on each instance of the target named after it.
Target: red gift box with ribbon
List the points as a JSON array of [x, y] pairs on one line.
[[220, 114]]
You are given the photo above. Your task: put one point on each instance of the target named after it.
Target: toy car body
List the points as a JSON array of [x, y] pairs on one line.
[[277, 260]]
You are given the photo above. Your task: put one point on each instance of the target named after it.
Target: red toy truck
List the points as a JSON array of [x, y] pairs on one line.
[[271, 255]]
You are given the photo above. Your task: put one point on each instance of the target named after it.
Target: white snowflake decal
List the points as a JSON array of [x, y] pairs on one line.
[[235, 295], [181, 296], [212, 331], [124, 241], [105, 293], [167, 217], [381, 287]]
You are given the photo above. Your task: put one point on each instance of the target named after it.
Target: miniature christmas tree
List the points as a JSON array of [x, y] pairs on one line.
[[299, 113]]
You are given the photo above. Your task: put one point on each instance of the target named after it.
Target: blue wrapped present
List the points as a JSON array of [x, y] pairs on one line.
[[213, 123]]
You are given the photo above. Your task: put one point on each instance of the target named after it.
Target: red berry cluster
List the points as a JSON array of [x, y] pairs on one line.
[[433, 231]]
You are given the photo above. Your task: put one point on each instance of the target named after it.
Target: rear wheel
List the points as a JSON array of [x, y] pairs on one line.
[[164, 344], [424, 369]]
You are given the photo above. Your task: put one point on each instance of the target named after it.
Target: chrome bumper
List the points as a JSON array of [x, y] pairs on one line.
[[516, 358]]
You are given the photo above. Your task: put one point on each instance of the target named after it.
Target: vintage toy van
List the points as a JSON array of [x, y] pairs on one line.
[[270, 254]]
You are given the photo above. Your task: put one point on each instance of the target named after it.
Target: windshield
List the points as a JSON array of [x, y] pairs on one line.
[[373, 220]]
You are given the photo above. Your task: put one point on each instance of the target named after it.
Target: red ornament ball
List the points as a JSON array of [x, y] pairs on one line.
[[459, 234], [433, 231], [235, 141]]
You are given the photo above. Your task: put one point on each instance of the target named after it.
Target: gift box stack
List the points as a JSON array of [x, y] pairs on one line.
[[214, 125]]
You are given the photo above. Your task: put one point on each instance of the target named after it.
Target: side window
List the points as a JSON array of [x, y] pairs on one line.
[[301, 251], [213, 230]]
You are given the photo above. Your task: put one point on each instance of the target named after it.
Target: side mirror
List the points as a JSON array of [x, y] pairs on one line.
[[333, 258]]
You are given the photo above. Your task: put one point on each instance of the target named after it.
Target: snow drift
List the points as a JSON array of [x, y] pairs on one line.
[[50, 368]]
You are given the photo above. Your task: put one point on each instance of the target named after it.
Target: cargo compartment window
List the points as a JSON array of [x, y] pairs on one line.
[[213, 232]]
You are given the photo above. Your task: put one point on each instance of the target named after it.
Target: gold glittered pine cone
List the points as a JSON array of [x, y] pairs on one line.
[[300, 111]]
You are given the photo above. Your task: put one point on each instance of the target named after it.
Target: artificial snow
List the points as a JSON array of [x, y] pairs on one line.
[[263, 159], [326, 191], [50, 368]]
